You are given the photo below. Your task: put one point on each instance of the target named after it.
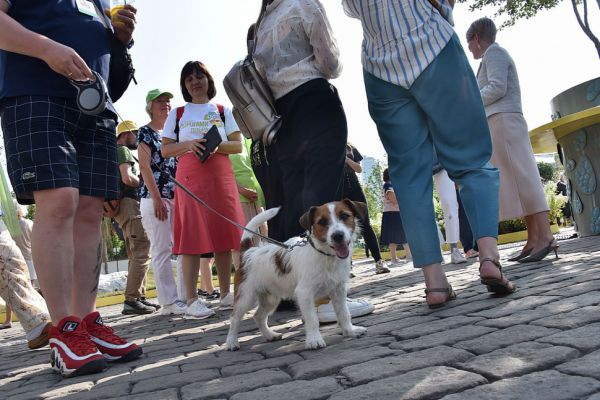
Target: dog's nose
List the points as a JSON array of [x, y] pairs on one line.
[[338, 237]]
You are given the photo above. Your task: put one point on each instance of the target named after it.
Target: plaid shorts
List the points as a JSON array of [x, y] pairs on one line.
[[50, 144]]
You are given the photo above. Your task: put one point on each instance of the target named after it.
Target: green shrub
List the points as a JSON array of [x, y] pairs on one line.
[[546, 171]]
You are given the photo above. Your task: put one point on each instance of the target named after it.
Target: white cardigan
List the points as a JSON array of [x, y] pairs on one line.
[[498, 82]]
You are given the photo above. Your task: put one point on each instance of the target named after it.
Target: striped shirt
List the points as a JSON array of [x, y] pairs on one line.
[[401, 37]]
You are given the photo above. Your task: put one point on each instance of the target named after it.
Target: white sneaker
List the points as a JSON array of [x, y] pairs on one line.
[[357, 308], [198, 310], [176, 308], [456, 257], [226, 302], [396, 263]]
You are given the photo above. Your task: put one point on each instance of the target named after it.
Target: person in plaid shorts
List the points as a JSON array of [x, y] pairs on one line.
[[64, 161]]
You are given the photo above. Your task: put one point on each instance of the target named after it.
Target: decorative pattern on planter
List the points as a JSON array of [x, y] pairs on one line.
[[593, 92], [577, 204], [596, 220], [581, 140], [571, 164], [586, 178]]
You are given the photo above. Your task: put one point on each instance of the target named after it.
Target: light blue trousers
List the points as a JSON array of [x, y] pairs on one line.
[[443, 109]]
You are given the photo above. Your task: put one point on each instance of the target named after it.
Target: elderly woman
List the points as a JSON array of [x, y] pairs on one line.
[[197, 231], [422, 94], [521, 191], [156, 200]]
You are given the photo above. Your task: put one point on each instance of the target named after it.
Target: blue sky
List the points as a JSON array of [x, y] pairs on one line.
[[551, 53]]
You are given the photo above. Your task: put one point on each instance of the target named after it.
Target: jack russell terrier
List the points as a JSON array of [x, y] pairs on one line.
[[314, 267]]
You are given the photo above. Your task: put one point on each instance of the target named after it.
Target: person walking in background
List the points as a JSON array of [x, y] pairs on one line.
[[446, 191], [297, 55], [156, 194], [68, 167], [561, 188], [392, 230], [129, 219], [197, 231], [354, 192], [521, 191], [422, 94]]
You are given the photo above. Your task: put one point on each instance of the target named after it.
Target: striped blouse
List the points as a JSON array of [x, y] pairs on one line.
[[401, 37]]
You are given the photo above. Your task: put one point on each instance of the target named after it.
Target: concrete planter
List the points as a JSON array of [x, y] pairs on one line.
[[576, 128]]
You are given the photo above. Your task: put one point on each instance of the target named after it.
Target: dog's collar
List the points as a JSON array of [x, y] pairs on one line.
[[312, 244]]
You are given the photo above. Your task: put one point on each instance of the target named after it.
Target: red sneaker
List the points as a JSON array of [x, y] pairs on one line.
[[113, 347], [72, 353]]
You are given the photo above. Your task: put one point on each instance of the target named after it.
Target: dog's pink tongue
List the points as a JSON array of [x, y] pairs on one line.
[[341, 250]]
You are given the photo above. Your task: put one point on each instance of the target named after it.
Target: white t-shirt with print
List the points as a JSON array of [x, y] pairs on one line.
[[196, 120]]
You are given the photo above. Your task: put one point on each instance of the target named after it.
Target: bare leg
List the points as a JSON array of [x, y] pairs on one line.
[[393, 257], [407, 250], [52, 248], [544, 236], [87, 258], [532, 234], [266, 305], [190, 266], [223, 261], [206, 275], [435, 278]]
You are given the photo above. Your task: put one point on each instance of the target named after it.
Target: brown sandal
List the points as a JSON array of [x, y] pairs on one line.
[[500, 285], [449, 290]]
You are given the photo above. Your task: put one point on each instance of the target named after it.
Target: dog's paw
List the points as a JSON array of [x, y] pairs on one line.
[[272, 336], [355, 331], [315, 343], [232, 345]]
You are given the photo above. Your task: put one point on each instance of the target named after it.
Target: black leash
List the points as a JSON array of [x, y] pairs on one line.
[[199, 200]]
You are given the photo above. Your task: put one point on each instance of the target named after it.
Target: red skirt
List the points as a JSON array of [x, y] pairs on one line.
[[197, 230]]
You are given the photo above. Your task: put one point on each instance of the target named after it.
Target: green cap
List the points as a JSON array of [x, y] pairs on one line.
[[154, 93]]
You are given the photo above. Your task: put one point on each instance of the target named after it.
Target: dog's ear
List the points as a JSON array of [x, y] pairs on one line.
[[359, 209], [306, 220]]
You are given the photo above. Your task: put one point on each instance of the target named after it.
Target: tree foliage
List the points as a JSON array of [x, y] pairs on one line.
[[513, 10]]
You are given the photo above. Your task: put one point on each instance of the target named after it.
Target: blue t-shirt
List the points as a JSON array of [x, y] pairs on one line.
[[61, 21]]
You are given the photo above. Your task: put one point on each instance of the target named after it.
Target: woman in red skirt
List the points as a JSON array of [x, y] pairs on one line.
[[199, 232]]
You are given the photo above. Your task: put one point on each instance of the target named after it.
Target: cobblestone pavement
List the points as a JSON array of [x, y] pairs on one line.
[[542, 342]]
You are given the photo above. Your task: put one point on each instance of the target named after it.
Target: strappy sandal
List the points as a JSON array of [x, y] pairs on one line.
[[500, 285], [451, 295]]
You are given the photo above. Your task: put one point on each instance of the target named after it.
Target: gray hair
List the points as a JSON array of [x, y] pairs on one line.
[[21, 209], [484, 28], [148, 107]]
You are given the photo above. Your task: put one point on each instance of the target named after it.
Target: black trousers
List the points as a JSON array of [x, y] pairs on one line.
[[354, 192], [305, 166]]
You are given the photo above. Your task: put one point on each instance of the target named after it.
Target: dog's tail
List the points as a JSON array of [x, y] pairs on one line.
[[254, 224]]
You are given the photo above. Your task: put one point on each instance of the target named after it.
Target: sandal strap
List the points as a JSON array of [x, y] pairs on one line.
[[494, 261], [439, 290]]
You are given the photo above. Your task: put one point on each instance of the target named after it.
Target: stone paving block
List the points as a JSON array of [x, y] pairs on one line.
[[298, 390], [277, 362], [439, 325], [572, 319], [469, 306], [103, 391], [336, 361], [514, 306], [67, 390], [387, 327], [585, 338], [585, 366], [174, 380], [519, 359], [504, 337], [448, 337], [226, 387], [427, 383], [225, 358], [546, 385], [347, 344], [167, 394], [395, 365]]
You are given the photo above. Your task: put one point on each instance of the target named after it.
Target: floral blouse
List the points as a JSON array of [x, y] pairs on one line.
[[166, 187]]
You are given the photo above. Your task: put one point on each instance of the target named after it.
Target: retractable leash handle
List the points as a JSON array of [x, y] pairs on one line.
[[92, 95], [199, 200]]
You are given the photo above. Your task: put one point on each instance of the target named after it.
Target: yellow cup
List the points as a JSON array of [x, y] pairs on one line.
[[114, 14]]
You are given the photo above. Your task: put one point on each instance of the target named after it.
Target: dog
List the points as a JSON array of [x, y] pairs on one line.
[[314, 268]]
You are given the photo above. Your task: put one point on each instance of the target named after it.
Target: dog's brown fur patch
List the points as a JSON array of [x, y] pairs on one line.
[[320, 222], [245, 244], [281, 263]]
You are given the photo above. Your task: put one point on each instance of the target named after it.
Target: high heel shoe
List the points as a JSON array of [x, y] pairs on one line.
[[540, 255], [500, 286], [523, 254]]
